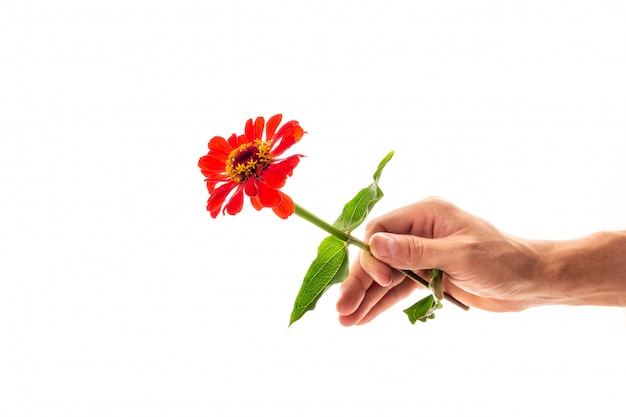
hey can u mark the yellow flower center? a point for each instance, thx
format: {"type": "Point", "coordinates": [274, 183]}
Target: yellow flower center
{"type": "Point", "coordinates": [247, 160]}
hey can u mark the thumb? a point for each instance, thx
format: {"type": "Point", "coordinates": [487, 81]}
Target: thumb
{"type": "Point", "coordinates": [407, 251]}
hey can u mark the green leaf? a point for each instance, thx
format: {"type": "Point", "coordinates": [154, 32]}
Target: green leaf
{"type": "Point", "coordinates": [423, 310]}
{"type": "Point", "coordinates": [330, 267]}
{"type": "Point", "coordinates": [436, 283]}
{"type": "Point", "coordinates": [357, 209]}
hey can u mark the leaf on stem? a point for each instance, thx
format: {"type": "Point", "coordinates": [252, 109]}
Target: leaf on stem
{"type": "Point", "coordinates": [423, 310]}
{"type": "Point", "coordinates": [357, 209]}
{"type": "Point", "coordinates": [330, 267]}
{"type": "Point", "coordinates": [436, 283]}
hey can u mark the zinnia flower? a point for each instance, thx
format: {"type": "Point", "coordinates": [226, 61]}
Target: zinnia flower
{"type": "Point", "coordinates": [251, 165]}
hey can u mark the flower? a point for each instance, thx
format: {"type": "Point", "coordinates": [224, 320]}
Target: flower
{"type": "Point", "coordinates": [248, 164]}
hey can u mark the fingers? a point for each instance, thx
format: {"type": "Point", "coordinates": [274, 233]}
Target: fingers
{"type": "Point", "coordinates": [373, 285]}
{"type": "Point", "coordinates": [408, 252]}
{"type": "Point", "coordinates": [378, 300]}
{"type": "Point", "coordinates": [362, 298]}
{"type": "Point", "coordinates": [353, 290]}
{"type": "Point", "coordinates": [380, 272]}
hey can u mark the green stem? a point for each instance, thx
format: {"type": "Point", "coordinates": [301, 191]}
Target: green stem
{"type": "Point", "coordinates": [340, 234]}
{"type": "Point", "coordinates": [349, 239]}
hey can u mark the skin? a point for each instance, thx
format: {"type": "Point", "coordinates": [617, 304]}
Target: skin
{"type": "Point", "coordinates": [484, 267]}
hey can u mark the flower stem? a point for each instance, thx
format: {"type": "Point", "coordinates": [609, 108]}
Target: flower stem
{"type": "Point", "coordinates": [338, 233]}
{"type": "Point", "coordinates": [349, 239]}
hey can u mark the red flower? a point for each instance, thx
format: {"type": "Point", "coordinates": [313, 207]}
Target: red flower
{"type": "Point", "coordinates": [247, 163]}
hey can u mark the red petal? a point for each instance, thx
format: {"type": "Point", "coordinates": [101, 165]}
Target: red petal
{"type": "Point", "coordinates": [276, 174]}
{"type": "Point", "coordinates": [256, 203]}
{"type": "Point", "coordinates": [216, 200]}
{"type": "Point", "coordinates": [249, 131]}
{"type": "Point", "coordinates": [287, 137]}
{"type": "Point", "coordinates": [272, 124]}
{"type": "Point", "coordinates": [219, 146]}
{"type": "Point", "coordinates": [298, 132]}
{"type": "Point", "coordinates": [268, 196]}
{"type": "Point", "coordinates": [274, 178]}
{"type": "Point", "coordinates": [233, 141]}
{"type": "Point", "coordinates": [242, 139]}
{"type": "Point", "coordinates": [212, 182]}
{"type": "Point", "coordinates": [285, 208]}
{"type": "Point", "coordinates": [259, 124]}
{"type": "Point", "coordinates": [283, 129]}
{"type": "Point", "coordinates": [251, 188]}
{"type": "Point", "coordinates": [211, 164]}
{"type": "Point", "coordinates": [235, 204]}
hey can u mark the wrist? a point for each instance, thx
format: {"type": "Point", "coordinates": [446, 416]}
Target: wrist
{"type": "Point", "coordinates": [585, 271]}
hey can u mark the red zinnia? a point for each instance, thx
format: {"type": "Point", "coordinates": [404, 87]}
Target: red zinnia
{"type": "Point", "coordinates": [247, 163]}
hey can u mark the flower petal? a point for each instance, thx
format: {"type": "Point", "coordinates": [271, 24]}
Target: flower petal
{"type": "Point", "coordinates": [268, 196]}
{"type": "Point", "coordinates": [235, 204]}
{"type": "Point", "coordinates": [233, 141]}
{"type": "Point", "coordinates": [256, 202]}
{"type": "Point", "coordinates": [272, 124]}
{"type": "Point", "coordinates": [242, 139]}
{"type": "Point", "coordinates": [216, 200]}
{"type": "Point", "coordinates": [220, 146]}
{"type": "Point", "coordinates": [210, 164]}
{"type": "Point", "coordinates": [285, 208]}
{"type": "Point", "coordinates": [259, 124]}
{"type": "Point", "coordinates": [250, 130]}
{"type": "Point", "coordinates": [212, 182]}
{"type": "Point", "coordinates": [250, 188]}
{"type": "Point", "coordinates": [276, 174]}
{"type": "Point", "coordinates": [287, 135]}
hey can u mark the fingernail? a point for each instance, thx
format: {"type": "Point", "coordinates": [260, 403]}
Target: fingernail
{"type": "Point", "coordinates": [384, 245]}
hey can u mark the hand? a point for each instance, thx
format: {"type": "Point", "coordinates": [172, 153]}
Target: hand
{"type": "Point", "coordinates": [483, 267]}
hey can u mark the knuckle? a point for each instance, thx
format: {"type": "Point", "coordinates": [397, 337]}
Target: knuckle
{"type": "Point", "coordinates": [371, 228]}
{"type": "Point", "coordinates": [413, 252]}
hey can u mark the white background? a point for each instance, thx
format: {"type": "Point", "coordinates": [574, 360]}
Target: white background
{"type": "Point", "coordinates": [120, 296]}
